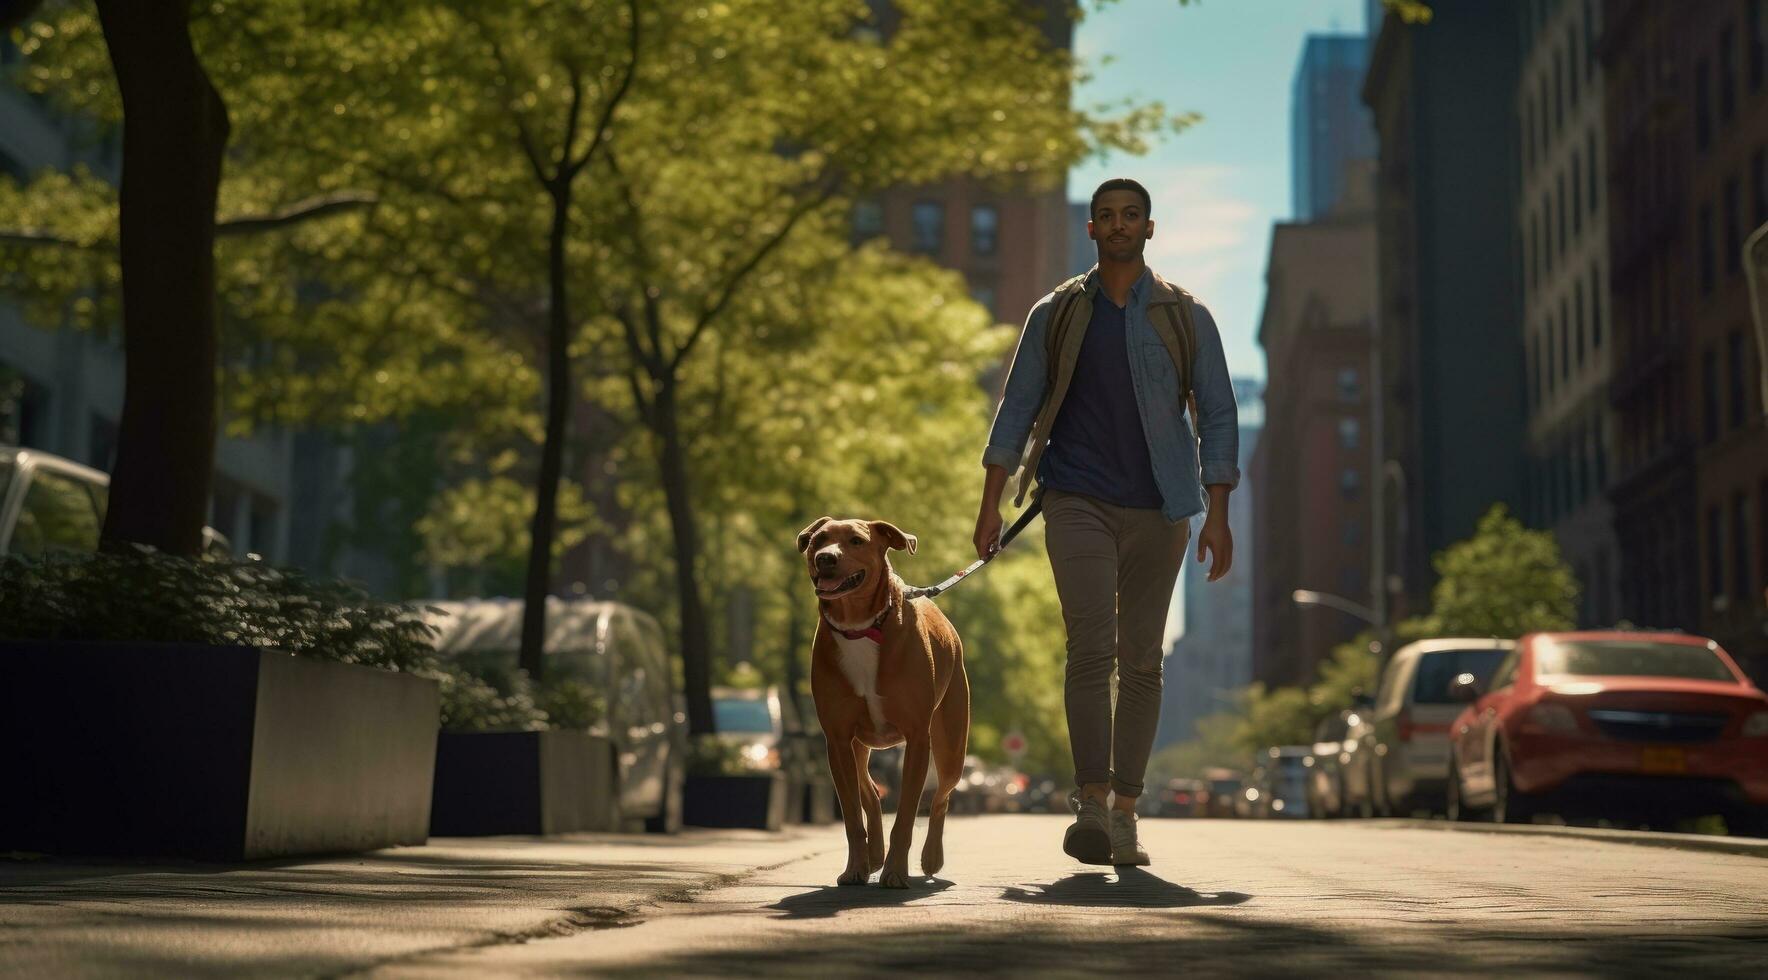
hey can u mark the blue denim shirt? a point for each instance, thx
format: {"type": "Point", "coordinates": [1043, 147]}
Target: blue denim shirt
{"type": "Point", "coordinates": [1182, 467]}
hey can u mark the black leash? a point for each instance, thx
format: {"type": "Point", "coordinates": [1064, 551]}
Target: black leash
{"type": "Point", "coordinates": [930, 591]}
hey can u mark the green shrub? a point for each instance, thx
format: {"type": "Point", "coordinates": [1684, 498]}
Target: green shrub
{"type": "Point", "coordinates": [145, 596]}
{"type": "Point", "coordinates": [712, 756]}
{"type": "Point", "coordinates": [571, 705]}
{"type": "Point", "coordinates": [471, 704]}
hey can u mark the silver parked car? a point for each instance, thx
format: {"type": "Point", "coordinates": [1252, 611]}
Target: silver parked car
{"type": "Point", "coordinates": [614, 650]}
{"type": "Point", "coordinates": [1403, 741]}
{"type": "Point", "coordinates": [49, 504]}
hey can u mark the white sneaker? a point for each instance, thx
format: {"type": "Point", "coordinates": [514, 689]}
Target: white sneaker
{"type": "Point", "coordinates": [1088, 839]}
{"type": "Point", "coordinates": [1125, 849]}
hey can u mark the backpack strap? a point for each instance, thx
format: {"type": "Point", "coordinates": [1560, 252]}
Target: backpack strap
{"type": "Point", "coordinates": [1067, 296]}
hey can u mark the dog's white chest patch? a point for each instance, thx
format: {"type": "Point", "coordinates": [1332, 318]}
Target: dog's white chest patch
{"type": "Point", "coordinates": [859, 662]}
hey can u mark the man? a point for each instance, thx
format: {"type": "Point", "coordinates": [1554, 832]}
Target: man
{"type": "Point", "coordinates": [1120, 474]}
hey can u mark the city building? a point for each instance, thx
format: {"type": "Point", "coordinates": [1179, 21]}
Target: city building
{"type": "Point", "coordinates": [1562, 229]}
{"type": "Point", "coordinates": [1328, 124]}
{"type": "Point", "coordinates": [1727, 198]}
{"type": "Point", "coordinates": [1313, 459]}
{"type": "Point", "coordinates": [1449, 316]}
{"type": "Point", "coordinates": [1212, 653]}
{"type": "Point", "coordinates": [1651, 283]}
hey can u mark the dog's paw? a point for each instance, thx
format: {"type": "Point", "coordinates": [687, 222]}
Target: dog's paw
{"type": "Point", "coordinates": [932, 859]}
{"type": "Point", "coordinates": [892, 878]}
{"type": "Point", "coordinates": [855, 874]}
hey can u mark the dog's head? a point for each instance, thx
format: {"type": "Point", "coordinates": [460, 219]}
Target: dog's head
{"type": "Point", "coordinates": [845, 556]}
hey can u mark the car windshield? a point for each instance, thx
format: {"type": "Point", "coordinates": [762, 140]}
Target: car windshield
{"type": "Point", "coordinates": [1631, 658]}
{"type": "Point", "coordinates": [1438, 668]}
{"type": "Point", "coordinates": [741, 715]}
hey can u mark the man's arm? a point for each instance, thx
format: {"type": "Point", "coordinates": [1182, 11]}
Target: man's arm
{"type": "Point", "coordinates": [1218, 431]}
{"type": "Point", "coordinates": [1020, 399]}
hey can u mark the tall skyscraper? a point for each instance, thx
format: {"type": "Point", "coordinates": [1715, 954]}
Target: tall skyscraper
{"type": "Point", "coordinates": [1328, 123]}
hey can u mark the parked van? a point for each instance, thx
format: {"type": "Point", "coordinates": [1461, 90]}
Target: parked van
{"type": "Point", "coordinates": [49, 504]}
{"type": "Point", "coordinates": [615, 650]}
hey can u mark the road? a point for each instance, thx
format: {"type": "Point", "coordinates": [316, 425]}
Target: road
{"type": "Point", "coordinates": [1243, 898]}
{"type": "Point", "coordinates": [1254, 898]}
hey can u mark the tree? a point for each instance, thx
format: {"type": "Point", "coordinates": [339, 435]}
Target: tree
{"type": "Point", "coordinates": [1504, 581]}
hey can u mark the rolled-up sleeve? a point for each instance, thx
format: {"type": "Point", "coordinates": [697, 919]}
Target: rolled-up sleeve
{"type": "Point", "coordinates": [1023, 394]}
{"type": "Point", "coordinates": [1218, 418]}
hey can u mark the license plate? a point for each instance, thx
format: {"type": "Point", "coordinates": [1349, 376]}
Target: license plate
{"type": "Point", "coordinates": [1663, 760]}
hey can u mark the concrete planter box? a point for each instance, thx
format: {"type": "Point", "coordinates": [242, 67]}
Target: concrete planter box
{"type": "Point", "coordinates": [216, 753]}
{"type": "Point", "coordinates": [547, 782]}
{"type": "Point", "coordinates": [820, 806]}
{"type": "Point", "coordinates": [757, 801]}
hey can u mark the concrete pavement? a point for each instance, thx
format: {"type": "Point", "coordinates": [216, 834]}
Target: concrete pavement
{"type": "Point", "coordinates": [1254, 898]}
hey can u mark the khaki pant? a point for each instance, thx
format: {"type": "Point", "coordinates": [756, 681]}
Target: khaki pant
{"type": "Point", "coordinates": [1115, 568]}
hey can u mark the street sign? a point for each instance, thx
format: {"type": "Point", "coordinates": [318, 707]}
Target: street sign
{"type": "Point", "coordinates": [1013, 743]}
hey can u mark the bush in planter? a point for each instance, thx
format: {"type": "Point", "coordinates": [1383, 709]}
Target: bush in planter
{"type": "Point", "coordinates": [145, 596]}
{"type": "Point", "coordinates": [471, 704]}
{"type": "Point", "coordinates": [711, 756]}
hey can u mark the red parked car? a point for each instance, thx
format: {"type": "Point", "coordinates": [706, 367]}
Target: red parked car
{"type": "Point", "coordinates": [1649, 727]}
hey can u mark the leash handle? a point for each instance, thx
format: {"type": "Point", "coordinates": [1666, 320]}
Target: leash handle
{"type": "Point", "coordinates": [1025, 518]}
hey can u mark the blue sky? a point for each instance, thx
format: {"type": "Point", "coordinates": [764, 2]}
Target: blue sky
{"type": "Point", "coordinates": [1219, 185]}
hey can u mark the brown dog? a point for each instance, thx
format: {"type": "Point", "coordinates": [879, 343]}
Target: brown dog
{"type": "Point", "coordinates": [884, 671]}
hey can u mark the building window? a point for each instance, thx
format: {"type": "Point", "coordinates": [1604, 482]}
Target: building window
{"type": "Point", "coordinates": [1703, 228]}
{"type": "Point", "coordinates": [929, 222]}
{"type": "Point", "coordinates": [1733, 204]}
{"type": "Point", "coordinates": [1552, 341]}
{"type": "Point", "coordinates": [1528, 132]}
{"type": "Point", "coordinates": [1758, 187]}
{"type": "Point", "coordinates": [1571, 68]}
{"type": "Point", "coordinates": [1715, 553]}
{"type": "Point", "coordinates": [1703, 104]}
{"type": "Point", "coordinates": [1595, 306]}
{"type": "Point", "coordinates": [1578, 314]}
{"type": "Point", "coordinates": [1592, 176]}
{"type": "Point", "coordinates": [1735, 351]}
{"type": "Point", "coordinates": [985, 224]}
{"type": "Point", "coordinates": [1565, 338]}
{"type": "Point", "coordinates": [1727, 74]}
{"type": "Point", "coordinates": [1577, 211]}
{"type": "Point", "coordinates": [1709, 376]}
{"type": "Point", "coordinates": [1561, 208]}
{"type": "Point", "coordinates": [1546, 115]}
{"type": "Point", "coordinates": [1349, 433]}
{"type": "Point", "coordinates": [985, 297]}
{"type": "Point", "coordinates": [1559, 89]}
{"type": "Point", "coordinates": [1351, 532]}
{"type": "Point", "coordinates": [1350, 384]}
{"type": "Point", "coordinates": [1349, 483]}
{"type": "Point", "coordinates": [1740, 547]}
{"type": "Point", "coordinates": [868, 220]}
{"type": "Point", "coordinates": [1589, 37]}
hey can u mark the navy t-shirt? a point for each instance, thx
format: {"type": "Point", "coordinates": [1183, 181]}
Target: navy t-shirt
{"type": "Point", "coordinates": [1097, 446]}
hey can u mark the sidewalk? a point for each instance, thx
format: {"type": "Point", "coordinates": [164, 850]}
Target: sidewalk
{"type": "Point", "coordinates": [330, 916]}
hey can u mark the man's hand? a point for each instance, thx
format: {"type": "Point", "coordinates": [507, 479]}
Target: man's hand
{"type": "Point", "coordinates": [1215, 538]}
{"type": "Point", "coordinates": [988, 532]}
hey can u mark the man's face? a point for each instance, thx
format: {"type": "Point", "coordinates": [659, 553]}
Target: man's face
{"type": "Point", "coordinates": [1120, 226]}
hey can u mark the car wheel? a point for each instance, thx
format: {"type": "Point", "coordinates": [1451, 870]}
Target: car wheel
{"type": "Point", "coordinates": [1455, 807]}
{"type": "Point", "coordinates": [669, 820]}
{"type": "Point", "coordinates": [1748, 823]}
{"type": "Point", "coordinates": [1509, 804]}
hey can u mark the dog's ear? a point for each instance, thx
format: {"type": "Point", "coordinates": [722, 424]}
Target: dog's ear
{"type": "Point", "coordinates": [896, 538]}
{"type": "Point", "coordinates": [804, 535]}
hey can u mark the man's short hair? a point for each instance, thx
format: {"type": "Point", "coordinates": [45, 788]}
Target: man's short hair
{"type": "Point", "coordinates": [1122, 184]}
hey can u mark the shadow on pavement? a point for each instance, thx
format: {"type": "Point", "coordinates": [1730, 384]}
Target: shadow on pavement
{"type": "Point", "coordinates": [832, 900]}
{"type": "Point", "coordinates": [1127, 888]}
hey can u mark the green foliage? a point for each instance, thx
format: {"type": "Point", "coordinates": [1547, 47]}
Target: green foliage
{"type": "Point", "coordinates": [471, 704]}
{"type": "Point", "coordinates": [1504, 581]}
{"type": "Point", "coordinates": [712, 756]}
{"type": "Point", "coordinates": [571, 705]}
{"type": "Point", "coordinates": [143, 596]}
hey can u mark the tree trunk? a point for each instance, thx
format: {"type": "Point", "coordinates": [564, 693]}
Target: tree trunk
{"type": "Point", "coordinates": [552, 451]}
{"type": "Point", "coordinates": [174, 134]}
{"type": "Point", "coordinates": [696, 633]}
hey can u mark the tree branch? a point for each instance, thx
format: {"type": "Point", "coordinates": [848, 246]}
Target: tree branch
{"type": "Point", "coordinates": [601, 129]}
{"type": "Point", "coordinates": [742, 272]}
{"type": "Point", "coordinates": [523, 135]}
{"type": "Point", "coordinates": [314, 207]}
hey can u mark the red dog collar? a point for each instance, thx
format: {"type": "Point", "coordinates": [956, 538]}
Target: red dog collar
{"type": "Point", "coordinates": [873, 632]}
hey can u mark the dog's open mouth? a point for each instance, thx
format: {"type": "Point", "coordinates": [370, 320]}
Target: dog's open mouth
{"type": "Point", "coordinates": [842, 587]}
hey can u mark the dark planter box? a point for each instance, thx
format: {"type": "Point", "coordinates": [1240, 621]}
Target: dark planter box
{"type": "Point", "coordinates": [216, 753]}
{"type": "Point", "coordinates": [757, 801]}
{"type": "Point", "coordinates": [523, 783]}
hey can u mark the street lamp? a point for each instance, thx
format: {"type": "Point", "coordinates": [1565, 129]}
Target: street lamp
{"type": "Point", "coordinates": [1308, 597]}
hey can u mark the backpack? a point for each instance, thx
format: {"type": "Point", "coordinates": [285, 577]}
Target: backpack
{"type": "Point", "coordinates": [1181, 345]}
